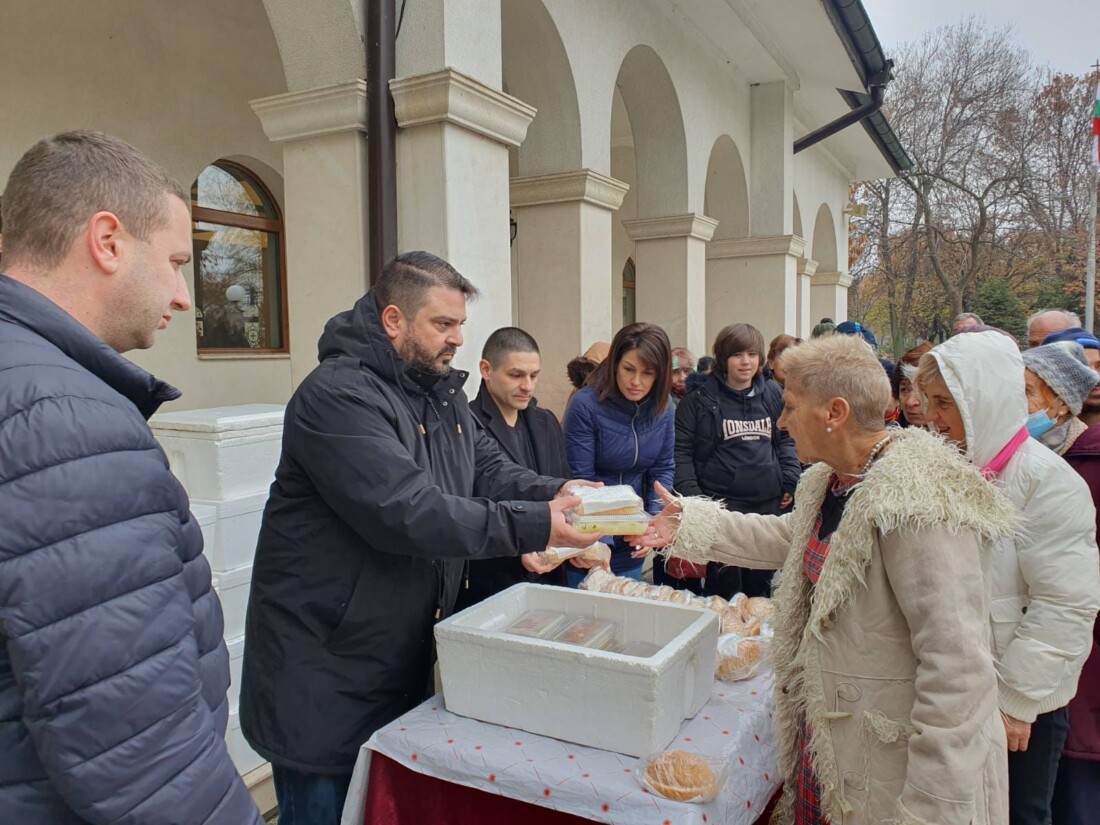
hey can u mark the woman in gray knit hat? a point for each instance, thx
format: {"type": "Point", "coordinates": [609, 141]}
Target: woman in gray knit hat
{"type": "Point", "coordinates": [1057, 380]}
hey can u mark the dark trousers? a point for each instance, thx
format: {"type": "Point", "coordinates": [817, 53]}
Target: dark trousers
{"type": "Point", "coordinates": [1032, 773]}
{"type": "Point", "coordinates": [309, 799]}
{"type": "Point", "coordinates": [725, 581]}
{"type": "Point", "coordinates": [1077, 792]}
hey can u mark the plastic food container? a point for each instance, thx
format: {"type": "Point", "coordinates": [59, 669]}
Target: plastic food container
{"type": "Point", "coordinates": [618, 499]}
{"type": "Point", "coordinates": [632, 525]}
{"type": "Point", "coordinates": [538, 624]}
{"type": "Point", "coordinates": [587, 632]}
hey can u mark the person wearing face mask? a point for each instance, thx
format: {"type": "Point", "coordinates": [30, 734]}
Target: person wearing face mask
{"type": "Point", "coordinates": [1057, 381]}
{"type": "Point", "coordinates": [1057, 385]}
{"type": "Point", "coordinates": [619, 428]}
{"type": "Point", "coordinates": [1045, 578]}
{"type": "Point", "coordinates": [1090, 410]}
{"type": "Point", "coordinates": [729, 448]}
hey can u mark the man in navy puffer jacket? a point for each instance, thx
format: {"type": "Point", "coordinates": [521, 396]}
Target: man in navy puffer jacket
{"type": "Point", "coordinates": [113, 673]}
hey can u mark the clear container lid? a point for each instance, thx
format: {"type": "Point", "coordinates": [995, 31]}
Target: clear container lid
{"type": "Point", "coordinates": [632, 525]}
{"type": "Point", "coordinates": [538, 624]}
{"type": "Point", "coordinates": [587, 632]}
{"type": "Point", "coordinates": [605, 499]}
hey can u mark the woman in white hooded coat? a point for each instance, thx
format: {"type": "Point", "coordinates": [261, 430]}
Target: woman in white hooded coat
{"type": "Point", "coordinates": [1046, 578]}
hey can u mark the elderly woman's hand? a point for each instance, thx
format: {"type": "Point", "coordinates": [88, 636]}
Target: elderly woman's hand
{"type": "Point", "coordinates": [662, 530]}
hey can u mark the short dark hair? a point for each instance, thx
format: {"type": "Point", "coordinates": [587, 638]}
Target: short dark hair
{"type": "Point", "coordinates": [405, 282]}
{"type": "Point", "coordinates": [910, 359]}
{"type": "Point", "coordinates": [63, 180]}
{"type": "Point", "coordinates": [652, 344]}
{"type": "Point", "coordinates": [507, 340]}
{"type": "Point", "coordinates": [705, 365]}
{"type": "Point", "coordinates": [738, 338]}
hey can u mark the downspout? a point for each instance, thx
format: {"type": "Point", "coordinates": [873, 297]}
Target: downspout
{"type": "Point", "coordinates": [381, 136]}
{"type": "Point", "coordinates": [878, 94]}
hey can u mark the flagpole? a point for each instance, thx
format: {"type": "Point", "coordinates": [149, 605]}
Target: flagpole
{"type": "Point", "coordinates": [1090, 267]}
{"type": "Point", "coordinates": [1094, 179]}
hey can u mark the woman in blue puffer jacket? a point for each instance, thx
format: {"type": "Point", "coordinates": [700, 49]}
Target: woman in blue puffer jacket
{"type": "Point", "coordinates": [620, 428]}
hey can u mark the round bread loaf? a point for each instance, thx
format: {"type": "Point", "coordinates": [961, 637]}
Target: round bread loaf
{"type": "Point", "coordinates": [758, 607]}
{"type": "Point", "coordinates": [681, 776]}
{"type": "Point", "coordinates": [734, 621]}
{"type": "Point", "coordinates": [717, 603]}
{"type": "Point", "coordinates": [742, 663]}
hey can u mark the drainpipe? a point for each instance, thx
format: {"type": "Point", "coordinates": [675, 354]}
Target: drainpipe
{"type": "Point", "coordinates": [381, 136]}
{"type": "Point", "coordinates": [878, 94]}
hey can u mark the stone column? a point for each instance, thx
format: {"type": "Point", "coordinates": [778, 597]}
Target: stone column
{"type": "Point", "coordinates": [754, 281]}
{"type": "Point", "coordinates": [323, 133]}
{"type": "Point", "coordinates": [452, 186]}
{"type": "Point", "coordinates": [829, 296]}
{"type": "Point", "coordinates": [804, 322]}
{"type": "Point", "coordinates": [670, 262]}
{"type": "Point", "coordinates": [563, 266]}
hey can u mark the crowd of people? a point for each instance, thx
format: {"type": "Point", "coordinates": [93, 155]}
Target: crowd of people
{"type": "Point", "coordinates": [936, 652]}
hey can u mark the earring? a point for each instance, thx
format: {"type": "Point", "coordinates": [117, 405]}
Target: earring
{"type": "Point", "coordinates": [828, 429]}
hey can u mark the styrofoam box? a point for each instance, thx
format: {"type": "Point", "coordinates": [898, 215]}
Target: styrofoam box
{"type": "Point", "coordinates": [205, 515]}
{"type": "Point", "coordinates": [232, 541]}
{"type": "Point", "coordinates": [240, 751]}
{"type": "Point", "coordinates": [236, 660]}
{"type": "Point", "coordinates": [232, 587]}
{"type": "Point", "coordinates": [606, 700]}
{"type": "Point", "coordinates": [222, 452]}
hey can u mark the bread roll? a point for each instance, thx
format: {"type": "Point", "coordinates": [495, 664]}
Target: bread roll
{"type": "Point", "coordinates": [681, 776]}
{"type": "Point", "coordinates": [733, 621]}
{"type": "Point", "coordinates": [758, 607]}
{"type": "Point", "coordinates": [742, 662]}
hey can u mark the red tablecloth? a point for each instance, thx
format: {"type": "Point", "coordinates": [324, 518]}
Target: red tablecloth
{"type": "Point", "coordinates": [398, 796]}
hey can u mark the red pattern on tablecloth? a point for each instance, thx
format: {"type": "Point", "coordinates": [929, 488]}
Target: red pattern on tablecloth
{"type": "Point", "coordinates": [590, 783]}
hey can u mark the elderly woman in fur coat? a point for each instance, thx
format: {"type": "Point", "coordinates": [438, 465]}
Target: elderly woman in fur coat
{"type": "Point", "coordinates": [886, 694]}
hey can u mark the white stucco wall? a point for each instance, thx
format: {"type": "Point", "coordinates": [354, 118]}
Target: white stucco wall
{"type": "Point", "coordinates": [175, 80]}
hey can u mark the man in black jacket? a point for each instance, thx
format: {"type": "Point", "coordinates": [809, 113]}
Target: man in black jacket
{"type": "Point", "coordinates": [385, 487]}
{"type": "Point", "coordinates": [506, 407]}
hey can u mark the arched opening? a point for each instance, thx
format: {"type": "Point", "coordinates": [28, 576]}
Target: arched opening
{"type": "Point", "coordinates": [240, 263]}
{"type": "Point", "coordinates": [823, 248]}
{"type": "Point", "coordinates": [536, 70]}
{"type": "Point", "coordinates": [726, 196]}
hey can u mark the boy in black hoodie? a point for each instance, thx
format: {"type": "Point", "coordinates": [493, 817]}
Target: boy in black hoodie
{"type": "Point", "coordinates": [728, 446]}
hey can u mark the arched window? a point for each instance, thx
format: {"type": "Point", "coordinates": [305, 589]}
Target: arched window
{"type": "Point", "coordinates": [630, 313]}
{"type": "Point", "coordinates": [240, 278]}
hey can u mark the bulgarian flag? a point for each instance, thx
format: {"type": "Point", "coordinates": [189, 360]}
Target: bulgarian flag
{"type": "Point", "coordinates": [1096, 129]}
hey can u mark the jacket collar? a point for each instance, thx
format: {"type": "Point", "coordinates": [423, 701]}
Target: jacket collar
{"type": "Point", "coordinates": [489, 414]}
{"type": "Point", "coordinates": [26, 307]}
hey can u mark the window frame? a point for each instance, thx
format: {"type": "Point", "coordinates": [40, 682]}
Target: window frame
{"type": "Point", "coordinates": [235, 220]}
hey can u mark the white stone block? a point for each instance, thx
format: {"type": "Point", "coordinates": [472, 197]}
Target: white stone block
{"type": "Point", "coordinates": [231, 539]}
{"type": "Point", "coordinates": [240, 751]}
{"type": "Point", "coordinates": [232, 587]}
{"type": "Point", "coordinates": [222, 452]}
{"type": "Point", "coordinates": [625, 704]}
{"type": "Point", "coordinates": [236, 660]}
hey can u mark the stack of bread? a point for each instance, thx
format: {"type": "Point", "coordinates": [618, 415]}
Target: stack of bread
{"type": "Point", "coordinates": [746, 621]}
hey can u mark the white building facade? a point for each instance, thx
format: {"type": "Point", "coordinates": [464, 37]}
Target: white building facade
{"type": "Point", "coordinates": [583, 163]}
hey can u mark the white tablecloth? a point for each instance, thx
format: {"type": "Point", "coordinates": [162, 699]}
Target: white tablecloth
{"type": "Point", "coordinates": [590, 783]}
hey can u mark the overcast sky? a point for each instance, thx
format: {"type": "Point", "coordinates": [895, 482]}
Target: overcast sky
{"type": "Point", "coordinates": [1063, 33]}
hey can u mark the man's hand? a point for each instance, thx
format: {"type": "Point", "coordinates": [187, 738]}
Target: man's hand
{"type": "Point", "coordinates": [1019, 733]}
{"type": "Point", "coordinates": [662, 530]}
{"type": "Point", "coordinates": [562, 533]}
{"type": "Point", "coordinates": [534, 563]}
{"type": "Point", "coordinates": [786, 501]}
{"type": "Point", "coordinates": [569, 486]}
